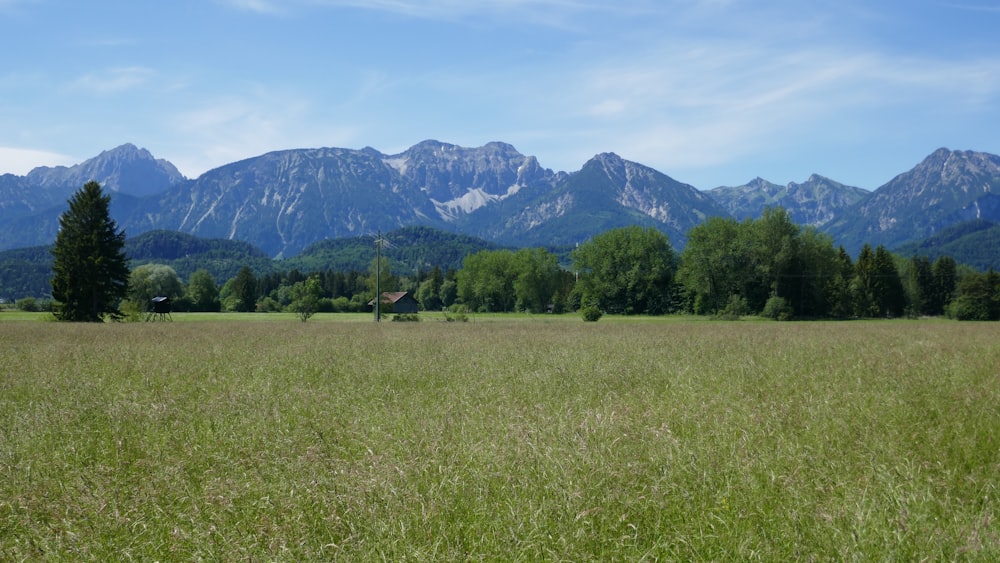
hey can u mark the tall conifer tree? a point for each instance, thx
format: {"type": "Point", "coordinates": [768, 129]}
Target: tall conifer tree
{"type": "Point", "coordinates": [889, 294]}
{"type": "Point", "coordinates": [91, 271]}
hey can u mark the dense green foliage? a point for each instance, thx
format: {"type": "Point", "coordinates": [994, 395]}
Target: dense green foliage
{"type": "Point", "coordinates": [240, 293]}
{"type": "Point", "coordinates": [756, 260]}
{"type": "Point", "coordinates": [876, 288]}
{"type": "Point", "coordinates": [90, 269]}
{"type": "Point", "coordinates": [504, 280]}
{"type": "Point", "coordinates": [275, 440]}
{"type": "Point", "coordinates": [978, 297]}
{"type": "Point", "coordinates": [187, 254]}
{"type": "Point", "coordinates": [629, 270]}
{"type": "Point", "coordinates": [203, 292]}
{"type": "Point", "coordinates": [767, 266]}
{"type": "Point", "coordinates": [153, 280]}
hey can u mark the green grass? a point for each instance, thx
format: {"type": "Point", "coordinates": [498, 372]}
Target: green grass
{"type": "Point", "coordinates": [534, 439]}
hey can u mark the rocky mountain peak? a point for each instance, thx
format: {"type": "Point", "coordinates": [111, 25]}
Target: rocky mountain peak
{"type": "Point", "coordinates": [813, 202]}
{"type": "Point", "coordinates": [616, 168]}
{"type": "Point", "coordinates": [966, 171]}
{"type": "Point", "coordinates": [608, 160]}
{"type": "Point", "coordinates": [460, 179]}
{"type": "Point", "coordinates": [920, 202]}
{"type": "Point", "coordinates": [125, 169]}
{"type": "Point", "coordinates": [763, 185]}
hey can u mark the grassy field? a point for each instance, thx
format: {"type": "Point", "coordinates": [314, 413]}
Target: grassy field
{"type": "Point", "coordinates": [517, 440]}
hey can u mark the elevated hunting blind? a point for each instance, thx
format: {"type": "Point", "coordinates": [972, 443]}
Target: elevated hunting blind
{"type": "Point", "coordinates": [161, 310]}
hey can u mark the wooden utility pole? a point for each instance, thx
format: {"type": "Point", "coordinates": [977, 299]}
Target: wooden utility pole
{"type": "Point", "coordinates": [379, 241]}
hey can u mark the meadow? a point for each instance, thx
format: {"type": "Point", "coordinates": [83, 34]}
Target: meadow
{"type": "Point", "coordinates": [265, 438]}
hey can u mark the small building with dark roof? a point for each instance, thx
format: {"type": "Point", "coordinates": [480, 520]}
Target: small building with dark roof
{"type": "Point", "coordinates": [399, 302]}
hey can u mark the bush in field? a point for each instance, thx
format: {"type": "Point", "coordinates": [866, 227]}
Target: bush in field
{"type": "Point", "coordinates": [27, 304]}
{"type": "Point", "coordinates": [736, 308]}
{"type": "Point", "coordinates": [341, 304]}
{"type": "Point", "coordinates": [132, 312]}
{"type": "Point", "coordinates": [591, 313]}
{"type": "Point", "coordinates": [457, 313]}
{"type": "Point", "coordinates": [777, 308]}
{"type": "Point", "coordinates": [406, 317]}
{"type": "Point", "coordinates": [268, 305]}
{"type": "Point", "coordinates": [978, 299]}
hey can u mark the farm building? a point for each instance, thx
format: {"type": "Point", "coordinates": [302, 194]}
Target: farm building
{"type": "Point", "coordinates": [400, 302]}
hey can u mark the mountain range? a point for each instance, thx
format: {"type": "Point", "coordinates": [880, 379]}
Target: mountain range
{"type": "Point", "coordinates": [284, 201]}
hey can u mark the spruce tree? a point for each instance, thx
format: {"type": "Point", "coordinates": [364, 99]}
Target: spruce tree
{"type": "Point", "coordinates": [945, 272]}
{"type": "Point", "coordinates": [863, 284]}
{"type": "Point", "coordinates": [889, 294]}
{"type": "Point", "coordinates": [245, 290]}
{"type": "Point", "coordinates": [91, 270]}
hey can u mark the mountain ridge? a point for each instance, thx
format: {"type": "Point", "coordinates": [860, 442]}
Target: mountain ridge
{"type": "Point", "coordinates": [813, 202]}
{"type": "Point", "coordinates": [946, 187]}
{"type": "Point", "coordinates": [282, 201]}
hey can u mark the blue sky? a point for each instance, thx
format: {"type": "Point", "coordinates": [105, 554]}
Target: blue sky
{"type": "Point", "coordinates": [710, 92]}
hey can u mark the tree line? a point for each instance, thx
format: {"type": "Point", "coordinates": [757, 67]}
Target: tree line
{"type": "Point", "coordinates": [767, 266]}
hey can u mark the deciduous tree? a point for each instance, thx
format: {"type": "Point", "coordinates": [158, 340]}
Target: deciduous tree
{"type": "Point", "coordinates": [244, 290]}
{"type": "Point", "coordinates": [153, 280]}
{"type": "Point", "coordinates": [537, 279]}
{"type": "Point", "coordinates": [629, 270]}
{"type": "Point", "coordinates": [978, 297]}
{"type": "Point", "coordinates": [713, 266]}
{"type": "Point", "coordinates": [305, 297]}
{"type": "Point", "coordinates": [202, 292]}
{"type": "Point", "coordinates": [486, 281]}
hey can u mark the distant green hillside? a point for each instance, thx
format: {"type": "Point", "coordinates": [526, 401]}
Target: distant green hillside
{"type": "Point", "coordinates": [975, 243]}
{"type": "Point", "coordinates": [409, 249]}
{"type": "Point", "coordinates": [26, 272]}
{"type": "Point", "coordinates": [186, 254]}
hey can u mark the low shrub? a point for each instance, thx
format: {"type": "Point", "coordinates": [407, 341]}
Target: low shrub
{"type": "Point", "coordinates": [591, 314]}
{"type": "Point", "coordinates": [778, 308]}
{"type": "Point", "coordinates": [736, 308]}
{"type": "Point", "coordinates": [456, 313]}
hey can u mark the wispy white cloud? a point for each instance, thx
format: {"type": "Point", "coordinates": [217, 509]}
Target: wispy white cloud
{"type": "Point", "coordinates": [556, 13]}
{"type": "Point", "coordinates": [107, 42]}
{"type": "Point", "coordinates": [232, 128]}
{"type": "Point", "coordinates": [4, 4]}
{"type": "Point", "coordinates": [114, 80]}
{"type": "Point", "coordinates": [259, 6]}
{"type": "Point", "coordinates": [974, 7]}
{"type": "Point", "coordinates": [21, 161]}
{"type": "Point", "coordinates": [689, 105]}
